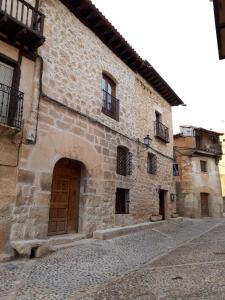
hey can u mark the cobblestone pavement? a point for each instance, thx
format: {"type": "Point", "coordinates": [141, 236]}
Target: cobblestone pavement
{"type": "Point", "coordinates": [178, 260]}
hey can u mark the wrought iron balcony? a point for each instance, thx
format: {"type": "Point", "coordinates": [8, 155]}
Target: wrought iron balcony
{"type": "Point", "coordinates": [161, 131]}
{"type": "Point", "coordinates": [215, 149]}
{"type": "Point", "coordinates": [110, 105]}
{"type": "Point", "coordinates": [11, 106]}
{"type": "Point", "coordinates": [21, 23]}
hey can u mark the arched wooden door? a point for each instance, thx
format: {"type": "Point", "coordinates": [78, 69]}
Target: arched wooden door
{"type": "Point", "coordinates": [64, 205]}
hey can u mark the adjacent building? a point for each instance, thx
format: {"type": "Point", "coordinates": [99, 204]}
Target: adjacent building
{"type": "Point", "coordinates": [197, 152]}
{"type": "Point", "coordinates": [222, 167]}
{"type": "Point", "coordinates": [78, 109]}
{"type": "Point", "coordinates": [219, 12]}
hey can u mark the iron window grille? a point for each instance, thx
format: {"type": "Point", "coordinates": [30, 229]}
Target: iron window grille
{"type": "Point", "coordinates": [124, 161]}
{"type": "Point", "coordinates": [11, 106]}
{"type": "Point", "coordinates": [152, 164]}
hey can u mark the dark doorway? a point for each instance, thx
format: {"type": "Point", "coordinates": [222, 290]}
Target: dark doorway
{"type": "Point", "coordinates": [122, 201]}
{"type": "Point", "coordinates": [204, 205]}
{"type": "Point", "coordinates": [162, 203]}
{"type": "Point", "coordinates": [64, 205]}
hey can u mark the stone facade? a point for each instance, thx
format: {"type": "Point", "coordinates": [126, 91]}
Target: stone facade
{"type": "Point", "coordinates": [222, 166]}
{"type": "Point", "coordinates": [64, 104]}
{"type": "Point", "coordinates": [192, 181]}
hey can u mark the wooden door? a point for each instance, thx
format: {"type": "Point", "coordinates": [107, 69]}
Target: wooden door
{"type": "Point", "coordinates": [204, 205]}
{"type": "Point", "coordinates": [64, 205]}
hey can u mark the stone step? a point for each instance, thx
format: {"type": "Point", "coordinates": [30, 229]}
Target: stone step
{"type": "Point", "coordinates": [119, 231]}
{"type": "Point", "coordinates": [68, 245]}
{"type": "Point", "coordinates": [65, 239]}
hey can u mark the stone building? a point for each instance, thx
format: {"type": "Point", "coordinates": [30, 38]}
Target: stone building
{"type": "Point", "coordinates": [197, 152]}
{"type": "Point", "coordinates": [76, 102]}
{"type": "Point", "coordinates": [222, 168]}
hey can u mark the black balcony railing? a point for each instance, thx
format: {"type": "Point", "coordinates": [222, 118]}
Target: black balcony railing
{"type": "Point", "coordinates": [22, 23]}
{"type": "Point", "coordinates": [215, 149]}
{"type": "Point", "coordinates": [11, 106]}
{"type": "Point", "coordinates": [110, 105]}
{"type": "Point", "coordinates": [161, 131]}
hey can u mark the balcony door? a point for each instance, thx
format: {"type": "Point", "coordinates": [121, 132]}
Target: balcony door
{"type": "Point", "coordinates": [6, 81]}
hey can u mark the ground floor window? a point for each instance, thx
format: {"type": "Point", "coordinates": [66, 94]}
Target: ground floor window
{"type": "Point", "coordinates": [122, 201]}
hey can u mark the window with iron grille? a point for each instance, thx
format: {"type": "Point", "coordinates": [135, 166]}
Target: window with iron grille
{"type": "Point", "coordinates": [122, 201]}
{"type": "Point", "coordinates": [124, 161]}
{"type": "Point", "coordinates": [203, 165]}
{"type": "Point", "coordinates": [152, 163]}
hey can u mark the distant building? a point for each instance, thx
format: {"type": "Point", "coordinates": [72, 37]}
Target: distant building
{"type": "Point", "coordinates": [219, 12]}
{"type": "Point", "coordinates": [197, 152]}
{"type": "Point", "coordinates": [222, 166]}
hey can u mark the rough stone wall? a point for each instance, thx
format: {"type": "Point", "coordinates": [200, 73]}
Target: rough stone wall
{"type": "Point", "coordinates": [74, 60]}
{"type": "Point", "coordinates": [73, 136]}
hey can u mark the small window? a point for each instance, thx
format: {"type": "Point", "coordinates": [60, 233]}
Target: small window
{"type": "Point", "coordinates": [203, 165]}
{"type": "Point", "coordinates": [110, 105]}
{"type": "Point", "coordinates": [122, 201]}
{"type": "Point", "coordinates": [152, 163]}
{"type": "Point", "coordinates": [158, 117]}
{"type": "Point", "coordinates": [124, 161]}
{"type": "Point", "coordinates": [175, 169]}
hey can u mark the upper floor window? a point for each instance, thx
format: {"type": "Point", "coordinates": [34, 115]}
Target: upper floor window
{"type": "Point", "coordinates": [110, 105]}
{"type": "Point", "coordinates": [161, 131]}
{"type": "Point", "coordinates": [124, 161]}
{"type": "Point", "coordinates": [152, 163]}
{"type": "Point", "coordinates": [175, 169]}
{"type": "Point", "coordinates": [11, 100]}
{"type": "Point", "coordinates": [203, 165]}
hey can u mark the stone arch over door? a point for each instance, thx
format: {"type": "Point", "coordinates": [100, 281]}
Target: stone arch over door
{"type": "Point", "coordinates": [50, 148]}
{"type": "Point", "coordinates": [65, 197]}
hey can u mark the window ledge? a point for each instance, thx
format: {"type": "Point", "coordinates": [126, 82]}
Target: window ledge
{"type": "Point", "coordinates": [8, 131]}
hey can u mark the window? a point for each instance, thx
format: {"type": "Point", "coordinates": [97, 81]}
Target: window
{"type": "Point", "coordinates": [122, 201]}
{"type": "Point", "coordinates": [110, 105]}
{"type": "Point", "coordinates": [152, 163]}
{"type": "Point", "coordinates": [175, 169]}
{"type": "Point", "coordinates": [203, 165]}
{"type": "Point", "coordinates": [11, 100]}
{"type": "Point", "coordinates": [158, 116]}
{"type": "Point", "coordinates": [6, 80]}
{"type": "Point", "coordinates": [124, 161]}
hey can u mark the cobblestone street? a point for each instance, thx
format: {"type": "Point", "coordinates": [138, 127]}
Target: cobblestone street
{"type": "Point", "coordinates": [177, 260]}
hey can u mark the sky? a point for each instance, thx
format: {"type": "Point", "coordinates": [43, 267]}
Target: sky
{"type": "Point", "coordinates": [178, 38]}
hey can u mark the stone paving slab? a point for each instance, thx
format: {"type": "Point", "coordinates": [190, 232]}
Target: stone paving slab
{"type": "Point", "coordinates": [93, 267]}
